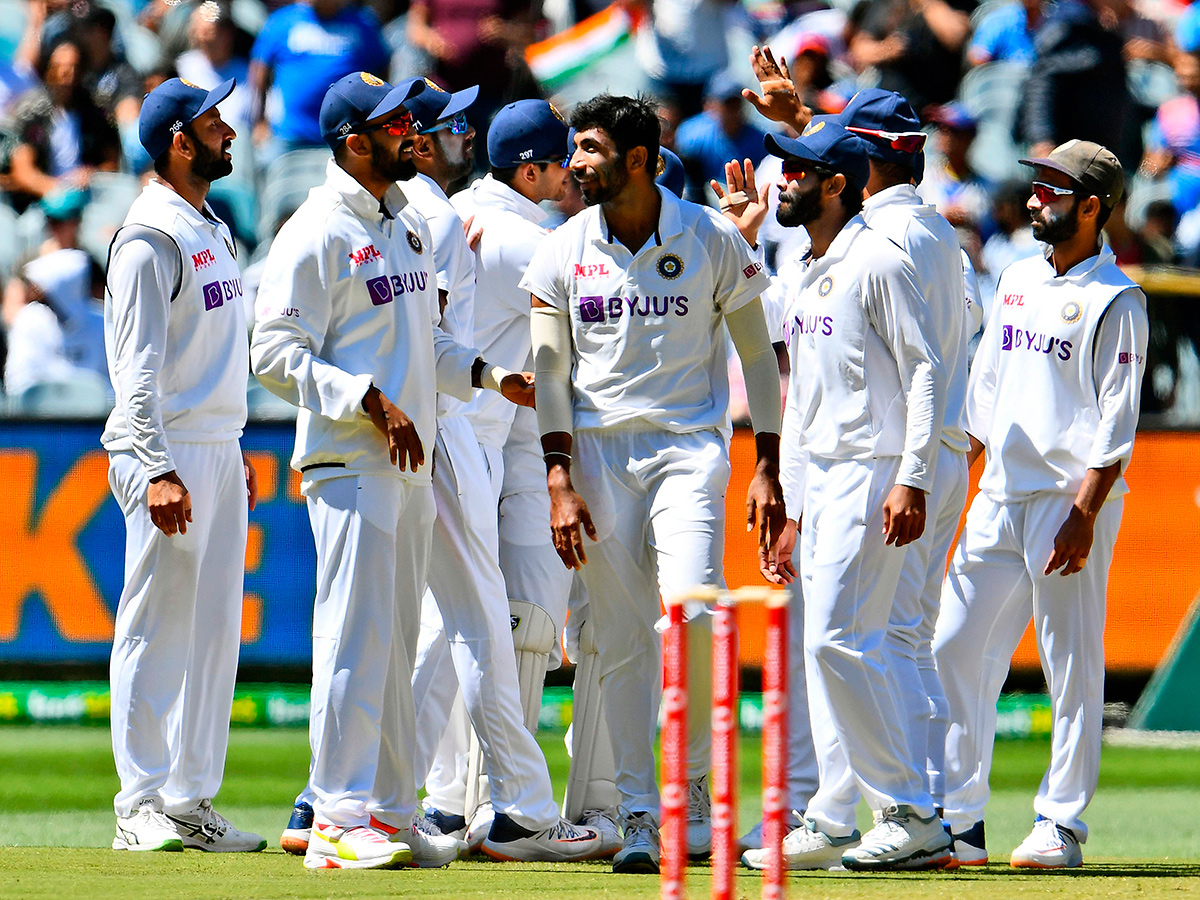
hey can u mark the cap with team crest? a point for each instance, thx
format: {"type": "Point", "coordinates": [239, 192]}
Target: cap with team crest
{"type": "Point", "coordinates": [670, 173]}
{"type": "Point", "coordinates": [826, 143]}
{"type": "Point", "coordinates": [1091, 166]}
{"type": "Point", "coordinates": [435, 104]}
{"type": "Point", "coordinates": [360, 97]}
{"type": "Point", "coordinates": [526, 131]}
{"type": "Point", "coordinates": [170, 106]}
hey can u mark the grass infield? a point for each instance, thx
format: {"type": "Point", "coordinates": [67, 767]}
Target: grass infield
{"type": "Point", "coordinates": [56, 787]}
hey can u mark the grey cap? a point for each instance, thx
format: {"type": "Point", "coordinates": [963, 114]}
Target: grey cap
{"type": "Point", "coordinates": [1093, 167]}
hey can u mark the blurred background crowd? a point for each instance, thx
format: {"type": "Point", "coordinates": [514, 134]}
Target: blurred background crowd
{"type": "Point", "coordinates": [991, 80]}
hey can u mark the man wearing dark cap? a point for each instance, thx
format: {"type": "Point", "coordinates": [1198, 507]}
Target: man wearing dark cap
{"type": "Point", "coordinates": [346, 329]}
{"type": "Point", "coordinates": [1053, 400]}
{"type": "Point", "coordinates": [857, 329]}
{"type": "Point", "coordinates": [631, 299]}
{"type": "Point", "coordinates": [175, 336]}
{"type": "Point", "coordinates": [894, 141]}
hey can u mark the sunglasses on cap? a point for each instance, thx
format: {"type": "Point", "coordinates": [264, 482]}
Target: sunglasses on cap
{"type": "Point", "coordinates": [1048, 193]}
{"type": "Point", "coordinates": [798, 170]}
{"type": "Point", "coordinates": [398, 126]}
{"type": "Point", "coordinates": [456, 124]}
{"type": "Point", "coordinates": [904, 141]}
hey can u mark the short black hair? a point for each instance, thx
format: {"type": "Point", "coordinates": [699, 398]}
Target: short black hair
{"type": "Point", "coordinates": [1103, 215]}
{"type": "Point", "coordinates": [893, 172]}
{"type": "Point", "coordinates": [851, 197]}
{"type": "Point", "coordinates": [508, 174]}
{"type": "Point", "coordinates": [160, 164]}
{"type": "Point", "coordinates": [629, 121]}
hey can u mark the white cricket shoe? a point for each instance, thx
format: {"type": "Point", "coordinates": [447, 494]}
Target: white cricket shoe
{"type": "Point", "coordinates": [146, 828]}
{"type": "Point", "coordinates": [805, 848]}
{"type": "Point", "coordinates": [430, 848]}
{"type": "Point", "coordinates": [1048, 846]}
{"type": "Point", "coordinates": [901, 840]}
{"type": "Point", "coordinates": [604, 823]}
{"type": "Point", "coordinates": [561, 842]}
{"type": "Point", "coordinates": [203, 828]}
{"type": "Point", "coordinates": [480, 826]}
{"type": "Point", "coordinates": [360, 847]}
{"type": "Point", "coordinates": [639, 853]}
{"type": "Point", "coordinates": [753, 839]}
{"type": "Point", "coordinates": [699, 819]}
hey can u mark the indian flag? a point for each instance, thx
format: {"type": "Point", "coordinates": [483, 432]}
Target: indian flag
{"type": "Point", "coordinates": [561, 56]}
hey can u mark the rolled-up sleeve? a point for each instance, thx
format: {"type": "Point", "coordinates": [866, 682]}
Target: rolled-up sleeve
{"type": "Point", "coordinates": [1118, 364]}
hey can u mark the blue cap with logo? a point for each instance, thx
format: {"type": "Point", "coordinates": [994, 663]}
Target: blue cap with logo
{"type": "Point", "coordinates": [435, 104]}
{"type": "Point", "coordinates": [526, 131]}
{"type": "Point", "coordinates": [826, 143]}
{"type": "Point", "coordinates": [170, 106]}
{"type": "Point", "coordinates": [358, 98]}
{"type": "Point", "coordinates": [671, 174]}
{"type": "Point", "coordinates": [892, 118]}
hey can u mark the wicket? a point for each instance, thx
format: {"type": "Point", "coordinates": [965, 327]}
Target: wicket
{"type": "Point", "coordinates": [724, 741]}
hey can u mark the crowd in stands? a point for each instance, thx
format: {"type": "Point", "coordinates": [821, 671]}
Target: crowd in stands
{"type": "Point", "coordinates": [991, 80]}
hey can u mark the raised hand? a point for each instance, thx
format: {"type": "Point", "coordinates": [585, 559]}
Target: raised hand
{"type": "Point", "coordinates": [741, 201]}
{"type": "Point", "coordinates": [779, 101]}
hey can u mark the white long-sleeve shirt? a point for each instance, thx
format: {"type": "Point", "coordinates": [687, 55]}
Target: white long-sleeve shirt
{"type": "Point", "coordinates": [512, 232]}
{"type": "Point", "coordinates": [174, 330]}
{"type": "Point", "coordinates": [900, 215]}
{"type": "Point", "coordinates": [867, 379]}
{"type": "Point", "coordinates": [1056, 382]}
{"type": "Point", "coordinates": [349, 298]}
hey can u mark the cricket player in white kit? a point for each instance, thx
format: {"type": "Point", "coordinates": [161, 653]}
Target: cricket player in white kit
{"type": "Point", "coordinates": [865, 407]}
{"type": "Point", "coordinates": [630, 297]}
{"type": "Point", "coordinates": [346, 329]}
{"type": "Point", "coordinates": [175, 336]}
{"type": "Point", "coordinates": [1053, 402]}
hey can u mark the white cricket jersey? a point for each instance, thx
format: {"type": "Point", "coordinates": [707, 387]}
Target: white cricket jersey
{"type": "Point", "coordinates": [1056, 382]}
{"type": "Point", "coordinates": [648, 327]}
{"type": "Point", "coordinates": [867, 379]}
{"type": "Point", "coordinates": [512, 231]}
{"type": "Point", "coordinates": [349, 298]}
{"type": "Point", "coordinates": [899, 214]}
{"type": "Point", "coordinates": [174, 330]}
{"type": "Point", "coordinates": [454, 263]}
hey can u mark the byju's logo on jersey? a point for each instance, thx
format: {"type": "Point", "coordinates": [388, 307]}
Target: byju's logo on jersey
{"type": "Point", "coordinates": [216, 293]}
{"type": "Point", "coordinates": [1034, 341]}
{"type": "Point", "coordinates": [387, 288]}
{"type": "Point", "coordinates": [600, 309]}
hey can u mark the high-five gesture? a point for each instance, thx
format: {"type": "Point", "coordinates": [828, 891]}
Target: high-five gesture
{"type": "Point", "coordinates": [741, 202]}
{"type": "Point", "coordinates": [779, 101]}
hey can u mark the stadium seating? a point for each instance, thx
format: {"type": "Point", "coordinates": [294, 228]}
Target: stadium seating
{"type": "Point", "coordinates": [992, 93]}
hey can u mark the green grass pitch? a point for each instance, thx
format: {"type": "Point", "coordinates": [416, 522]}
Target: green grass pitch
{"type": "Point", "coordinates": [56, 787]}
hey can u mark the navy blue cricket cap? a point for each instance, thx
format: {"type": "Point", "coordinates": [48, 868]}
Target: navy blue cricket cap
{"type": "Point", "coordinates": [827, 144]}
{"type": "Point", "coordinates": [435, 104]}
{"type": "Point", "coordinates": [526, 131]}
{"type": "Point", "coordinates": [875, 109]}
{"type": "Point", "coordinates": [358, 98]}
{"type": "Point", "coordinates": [170, 106]}
{"type": "Point", "coordinates": [670, 174]}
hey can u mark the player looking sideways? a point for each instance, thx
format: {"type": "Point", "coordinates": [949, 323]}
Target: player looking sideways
{"type": "Point", "coordinates": [346, 329]}
{"type": "Point", "coordinates": [175, 336]}
{"type": "Point", "coordinates": [629, 299]}
{"type": "Point", "coordinates": [865, 407]}
{"type": "Point", "coordinates": [1053, 401]}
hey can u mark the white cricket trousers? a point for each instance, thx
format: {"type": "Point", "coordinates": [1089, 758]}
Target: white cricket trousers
{"type": "Point", "coordinates": [177, 630]}
{"type": "Point", "coordinates": [472, 598]}
{"type": "Point", "coordinates": [908, 652]}
{"type": "Point", "coordinates": [657, 500]}
{"type": "Point", "coordinates": [850, 577]}
{"type": "Point", "coordinates": [372, 534]}
{"type": "Point", "coordinates": [803, 776]}
{"type": "Point", "coordinates": [995, 584]}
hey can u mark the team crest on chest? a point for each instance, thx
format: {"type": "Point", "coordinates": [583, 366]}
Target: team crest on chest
{"type": "Point", "coordinates": [669, 266]}
{"type": "Point", "coordinates": [414, 241]}
{"type": "Point", "coordinates": [824, 286]}
{"type": "Point", "coordinates": [1071, 312]}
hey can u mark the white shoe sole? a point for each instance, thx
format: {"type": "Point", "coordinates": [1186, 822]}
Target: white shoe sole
{"type": "Point", "coordinates": [169, 845]}
{"type": "Point", "coordinates": [401, 856]}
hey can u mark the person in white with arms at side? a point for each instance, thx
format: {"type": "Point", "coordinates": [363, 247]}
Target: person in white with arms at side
{"type": "Point", "coordinates": [865, 410]}
{"type": "Point", "coordinates": [175, 335]}
{"type": "Point", "coordinates": [629, 300]}
{"type": "Point", "coordinates": [1053, 401]}
{"type": "Point", "coordinates": [345, 327]}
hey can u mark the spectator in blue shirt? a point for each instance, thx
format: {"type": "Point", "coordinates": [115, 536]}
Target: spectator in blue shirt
{"type": "Point", "coordinates": [302, 49]}
{"type": "Point", "coordinates": [708, 140]}
{"type": "Point", "coordinates": [1006, 34]}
